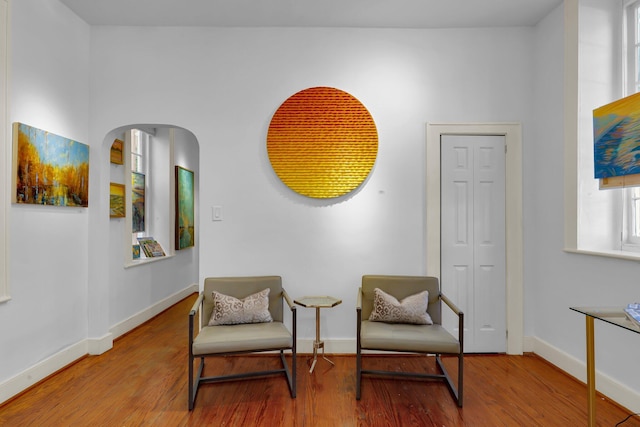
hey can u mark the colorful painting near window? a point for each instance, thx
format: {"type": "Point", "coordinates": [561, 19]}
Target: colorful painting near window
{"type": "Point", "coordinates": [137, 202]}
{"type": "Point", "coordinates": [116, 200]}
{"type": "Point", "coordinates": [616, 135]}
{"type": "Point", "coordinates": [116, 152]}
{"type": "Point", "coordinates": [49, 169]}
{"type": "Point", "coordinates": [185, 206]}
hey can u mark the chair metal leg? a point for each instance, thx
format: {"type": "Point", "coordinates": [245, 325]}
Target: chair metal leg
{"type": "Point", "coordinates": [460, 373]}
{"type": "Point", "coordinates": [290, 376]}
{"type": "Point", "coordinates": [456, 393]}
{"type": "Point", "coordinates": [294, 368]}
{"type": "Point", "coordinates": [358, 373]}
{"type": "Point", "coordinates": [358, 351]}
{"type": "Point", "coordinates": [294, 349]}
{"type": "Point", "coordinates": [190, 382]}
{"type": "Point", "coordinates": [193, 391]}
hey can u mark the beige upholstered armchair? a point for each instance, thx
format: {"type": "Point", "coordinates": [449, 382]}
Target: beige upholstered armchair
{"type": "Point", "coordinates": [241, 315]}
{"type": "Point", "coordinates": [391, 317]}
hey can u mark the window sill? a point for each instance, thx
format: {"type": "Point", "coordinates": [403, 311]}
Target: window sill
{"type": "Point", "coordinates": [631, 256]}
{"type": "Point", "coordinates": [145, 261]}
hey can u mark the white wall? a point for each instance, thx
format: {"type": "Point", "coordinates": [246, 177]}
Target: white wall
{"type": "Point", "coordinates": [556, 280]}
{"type": "Point", "coordinates": [68, 297]}
{"type": "Point", "coordinates": [4, 148]}
{"type": "Point", "coordinates": [48, 248]}
{"type": "Point", "coordinates": [225, 84]}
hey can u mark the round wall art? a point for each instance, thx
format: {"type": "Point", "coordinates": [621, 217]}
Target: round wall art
{"type": "Point", "coordinates": [322, 142]}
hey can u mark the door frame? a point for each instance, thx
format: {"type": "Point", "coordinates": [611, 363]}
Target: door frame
{"type": "Point", "coordinates": [513, 215]}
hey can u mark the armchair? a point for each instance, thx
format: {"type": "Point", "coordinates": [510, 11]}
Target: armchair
{"type": "Point", "coordinates": [404, 337]}
{"type": "Point", "coordinates": [228, 339]}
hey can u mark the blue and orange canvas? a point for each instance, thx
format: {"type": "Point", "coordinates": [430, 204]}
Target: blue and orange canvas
{"type": "Point", "coordinates": [616, 135]}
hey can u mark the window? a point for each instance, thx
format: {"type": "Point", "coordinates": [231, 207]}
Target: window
{"type": "Point", "coordinates": [147, 179]}
{"type": "Point", "coordinates": [632, 29]}
{"type": "Point", "coordinates": [631, 200]}
{"type": "Point", "coordinates": [139, 179]}
{"type": "Point", "coordinates": [631, 231]}
{"type": "Point", "coordinates": [139, 144]}
{"type": "Point", "coordinates": [594, 70]}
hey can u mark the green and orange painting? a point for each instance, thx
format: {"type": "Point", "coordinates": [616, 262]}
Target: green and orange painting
{"type": "Point", "coordinates": [49, 169]}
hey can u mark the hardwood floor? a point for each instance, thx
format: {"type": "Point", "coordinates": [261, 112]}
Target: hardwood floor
{"type": "Point", "coordinates": [142, 381]}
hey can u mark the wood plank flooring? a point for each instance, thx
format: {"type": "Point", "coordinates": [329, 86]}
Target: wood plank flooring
{"type": "Point", "coordinates": [142, 381]}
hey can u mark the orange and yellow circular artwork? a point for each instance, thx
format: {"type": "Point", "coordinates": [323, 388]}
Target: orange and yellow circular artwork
{"type": "Point", "coordinates": [322, 142]}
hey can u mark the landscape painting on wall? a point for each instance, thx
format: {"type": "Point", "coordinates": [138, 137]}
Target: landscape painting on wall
{"type": "Point", "coordinates": [137, 202]}
{"type": "Point", "coordinates": [185, 226]}
{"type": "Point", "coordinates": [616, 135]}
{"type": "Point", "coordinates": [116, 200]}
{"type": "Point", "coordinates": [49, 169]}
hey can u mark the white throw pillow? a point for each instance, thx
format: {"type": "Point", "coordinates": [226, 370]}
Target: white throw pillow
{"type": "Point", "coordinates": [412, 309]}
{"type": "Point", "coordinates": [228, 310]}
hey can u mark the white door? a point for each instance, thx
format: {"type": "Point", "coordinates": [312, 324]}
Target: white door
{"type": "Point", "coordinates": [473, 256]}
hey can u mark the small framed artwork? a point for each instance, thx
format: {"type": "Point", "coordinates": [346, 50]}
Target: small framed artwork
{"type": "Point", "coordinates": [185, 202]}
{"type": "Point", "coordinates": [135, 251]}
{"type": "Point", "coordinates": [116, 152]}
{"type": "Point", "coordinates": [116, 201]}
{"type": "Point", "coordinates": [137, 201]}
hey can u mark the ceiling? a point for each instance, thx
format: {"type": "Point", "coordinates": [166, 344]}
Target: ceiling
{"type": "Point", "coordinates": [314, 13]}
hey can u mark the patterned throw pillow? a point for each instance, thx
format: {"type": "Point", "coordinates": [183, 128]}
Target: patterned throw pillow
{"type": "Point", "coordinates": [412, 309]}
{"type": "Point", "coordinates": [228, 310]}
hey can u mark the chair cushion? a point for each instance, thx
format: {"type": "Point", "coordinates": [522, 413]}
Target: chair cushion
{"type": "Point", "coordinates": [402, 337]}
{"type": "Point", "coordinates": [246, 337]}
{"type": "Point", "coordinates": [228, 310]}
{"type": "Point", "coordinates": [412, 309]}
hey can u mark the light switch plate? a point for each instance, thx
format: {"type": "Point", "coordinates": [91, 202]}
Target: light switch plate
{"type": "Point", "coordinates": [216, 213]}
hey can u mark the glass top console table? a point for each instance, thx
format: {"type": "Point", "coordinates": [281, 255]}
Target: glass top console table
{"type": "Point", "coordinates": [614, 316]}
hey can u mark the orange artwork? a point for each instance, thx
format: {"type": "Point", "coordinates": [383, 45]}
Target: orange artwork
{"type": "Point", "coordinates": [322, 142]}
{"type": "Point", "coordinates": [116, 151]}
{"type": "Point", "coordinates": [49, 169]}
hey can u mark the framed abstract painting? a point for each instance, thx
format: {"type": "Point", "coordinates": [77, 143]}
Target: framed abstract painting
{"type": "Point", "coordinates": [49, 169]}
{"type": "Point", "coordinates": [116, 152]}
{"type": "Point", "coordinates": [616, 138]}
{"type": "Point", "coordinates": [185, 206]}
{"type": "Point", "coordinates": [116, 200]}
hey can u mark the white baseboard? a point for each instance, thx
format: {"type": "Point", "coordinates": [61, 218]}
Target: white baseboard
{"type": "Point", "coordinates": [41, 370]}
{"type": "Point", "coordinates": [149, 313]}
{"type": "Point", "coordinates": [93, 346]}
{"type": "Point", "coordinates": [96, 346]}
{"type": "Point", "coordinates": [606, 385]}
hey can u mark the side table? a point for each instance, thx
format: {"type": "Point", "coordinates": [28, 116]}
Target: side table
{"type": "Point", "coordinates": [614, 316]}
{"type": "Point", "coordinates": [318, 302]}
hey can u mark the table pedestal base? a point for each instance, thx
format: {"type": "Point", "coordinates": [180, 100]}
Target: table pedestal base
{"type": "Point", "coordinates": [318, 345]}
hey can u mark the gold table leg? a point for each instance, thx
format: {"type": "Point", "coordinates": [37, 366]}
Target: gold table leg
{"type": "Point", "coordinates": [318, 344]}
{"type": "Point", "coordinates": [591, 373]}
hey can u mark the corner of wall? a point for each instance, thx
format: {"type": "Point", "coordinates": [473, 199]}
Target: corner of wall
{"type": "Point", "coordinates": [139, 318]}
{"type": "Point", "coordinates": [97, 346]}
